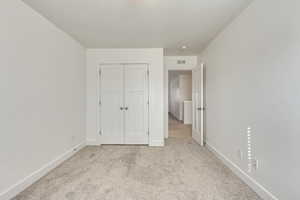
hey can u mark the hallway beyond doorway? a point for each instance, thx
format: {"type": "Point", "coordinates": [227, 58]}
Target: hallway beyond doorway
{"type": "Point", "coordinates": [179, 130]}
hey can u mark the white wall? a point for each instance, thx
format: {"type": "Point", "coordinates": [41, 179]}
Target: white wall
{"type": "Point", "coordinates": [152, 56]}
{"type": "Point", "coordinates": [185, 84]}
{"type": "Point", "coordinates": [174, 96]}
{"type": "Point", "coordinates": [253, 70]}
{"type": "Point", "coordinates": [42, 85]}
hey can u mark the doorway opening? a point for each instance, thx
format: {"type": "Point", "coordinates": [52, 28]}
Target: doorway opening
{"type": "Point", "coordinates": [185, 106]}
{"type": "Point", "coordinates": [180, 114]}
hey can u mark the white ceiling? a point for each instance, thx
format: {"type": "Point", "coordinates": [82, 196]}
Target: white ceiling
{"type": "Point", "coordinates": [141, 23]}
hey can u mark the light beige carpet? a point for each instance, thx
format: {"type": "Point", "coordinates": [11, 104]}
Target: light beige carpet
{"type": "Point", "coordinates": [182, 170]}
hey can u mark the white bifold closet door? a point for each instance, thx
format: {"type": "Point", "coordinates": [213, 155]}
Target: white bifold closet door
{"type": "Point", "coordinates": [124, 104]}
{"type": "Point", "coordinates": [136, 104]}
{"type": "Point", "coordinates": [111, 102]}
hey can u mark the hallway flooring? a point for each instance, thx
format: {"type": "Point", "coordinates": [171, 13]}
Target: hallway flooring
{"type": "Point", "coordinates": [179, 130]}
{"type": "Point", "coordinates": [182, 170]}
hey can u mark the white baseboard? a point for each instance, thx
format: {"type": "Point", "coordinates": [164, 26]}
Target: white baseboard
{"type": "Point", "coordinates": [90, 142]}
{"type": "Point", "coordinates": [157, 143]}
{"type": "Point", "coordinates": [258, 188]}
{"type": "Point", "coordinates": [196, 136]}
{"type": "Point", "coordinates": [29, 180]}
{"type": "Point", "coordinates": [152, 143]}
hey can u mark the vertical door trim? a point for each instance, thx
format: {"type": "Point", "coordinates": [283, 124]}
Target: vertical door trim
{"type": "Point", "coordinates": [148, 93]}
{"type": "Point", "coordinates": [202, 104]}
{"type": "Point", "coordinates": [99, 124]}
{"type": "Point", "coordinates": [123, 102]}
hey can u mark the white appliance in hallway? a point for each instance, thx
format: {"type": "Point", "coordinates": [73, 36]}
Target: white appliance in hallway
{"type": "Point", "coordinates": [123, 104]}
{"type": "Point", "coordinates": [198, 104]}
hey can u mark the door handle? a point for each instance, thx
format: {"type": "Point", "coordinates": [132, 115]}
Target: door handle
{"type": "Point", "coordinates": [201, 109]}
{"type": "Point", "coordinates": [126, 108]}
{"type": "Point", "coordinates": [121, 108]}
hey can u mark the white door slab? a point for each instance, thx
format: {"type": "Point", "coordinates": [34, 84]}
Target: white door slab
{"type": "Point", "coordinates": [111, 100]}
{"type": "Point", "coordinates": [136, 103]}
{"type": "Point", "coordinates": [198, 105]}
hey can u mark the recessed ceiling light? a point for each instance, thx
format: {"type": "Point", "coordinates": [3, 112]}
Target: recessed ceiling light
{"type": "Point", "coordinates": [184, 47]}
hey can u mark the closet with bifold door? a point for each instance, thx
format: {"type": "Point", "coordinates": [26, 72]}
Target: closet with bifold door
{"type": "Point", "coordinates": [123, 115]}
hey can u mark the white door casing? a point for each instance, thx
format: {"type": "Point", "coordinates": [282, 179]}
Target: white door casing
{"type": "Point", "coordinates": [123, 104]}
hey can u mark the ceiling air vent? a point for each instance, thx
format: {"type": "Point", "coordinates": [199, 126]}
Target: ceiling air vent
{"type": "Point", "coordinates": [181, 62]}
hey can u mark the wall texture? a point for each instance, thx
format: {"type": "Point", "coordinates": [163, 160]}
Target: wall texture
{"type": "Point", "coordinates": [152, 56]}
{"type": "Point", "coordinates": [42, 85]}
{"type": "Point", "coordinates": [253, 80]}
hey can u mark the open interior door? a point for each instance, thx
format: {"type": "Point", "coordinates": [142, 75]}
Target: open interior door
{"type": "Point", "coordinates": [198, 104]}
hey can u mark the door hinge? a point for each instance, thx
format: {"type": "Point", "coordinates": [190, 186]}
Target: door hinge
{"type": "Point", "coordinates": [148, 72]}
{"type": "Point", "coordinates": [99, 103]}
{"type": "Point", "coordinates": [148, 102]}
{"type": "Point", "coordinates": [99, 72]}
{"type": "Point", "coordinates": [100, 132]}
{"type": "Point", "coordinates": [148, 133]}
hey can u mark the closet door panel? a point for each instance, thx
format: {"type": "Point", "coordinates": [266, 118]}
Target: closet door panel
{"type": "Point", "coordinates": [136, 103]}
{"type": "Point", "coordinates": [112, 122]}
